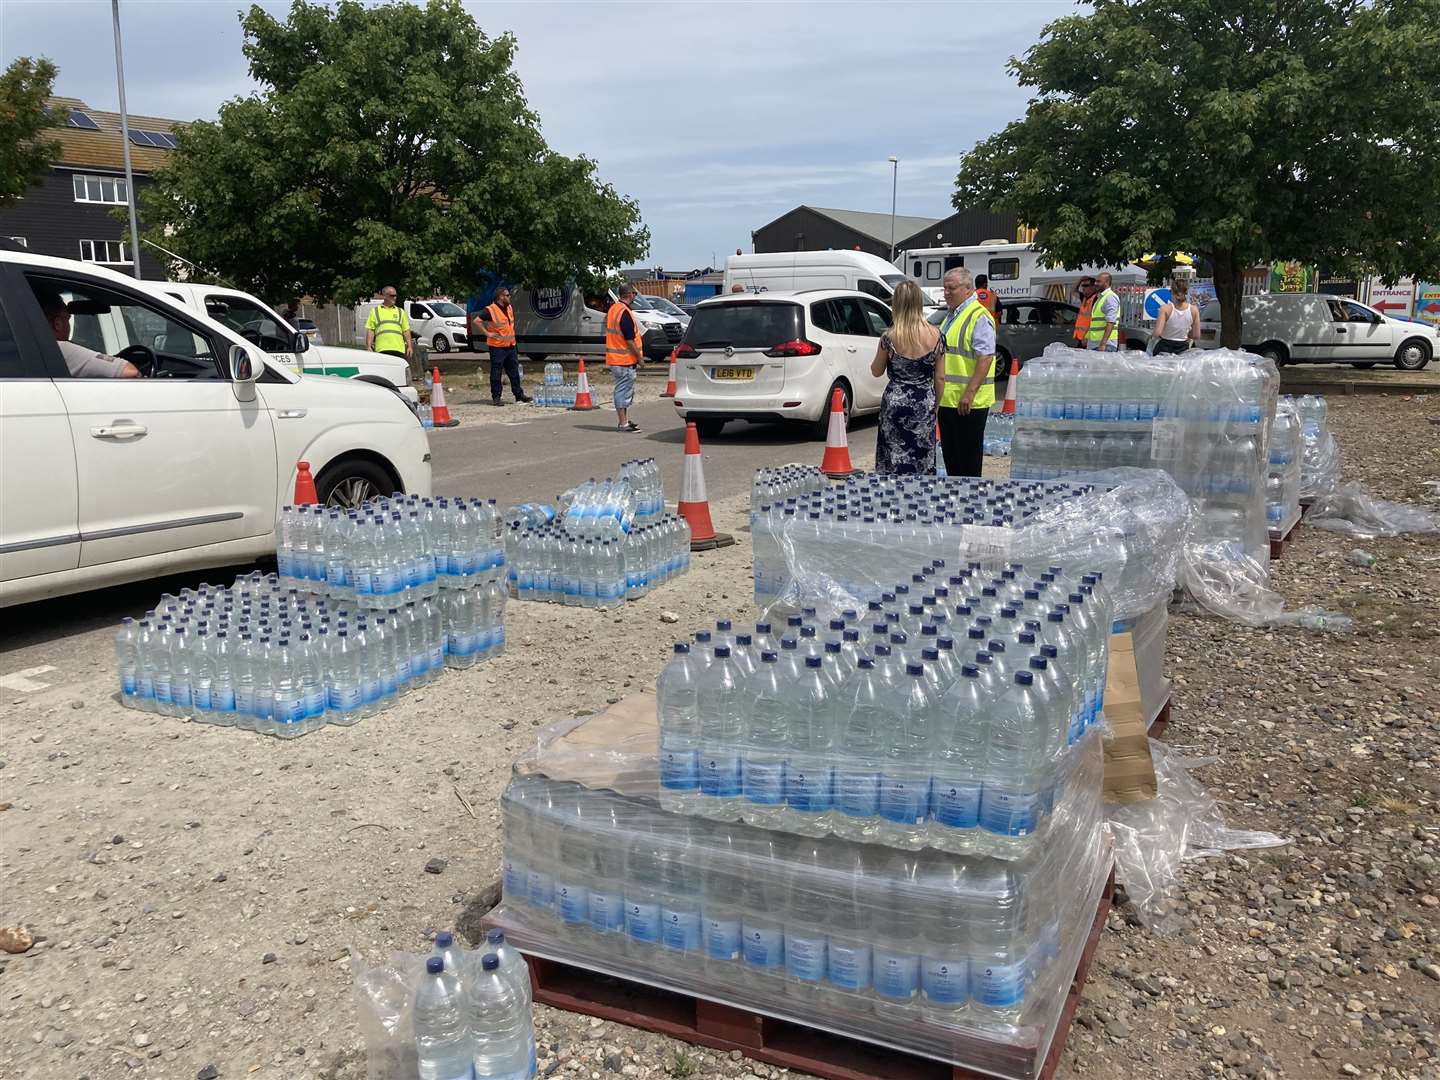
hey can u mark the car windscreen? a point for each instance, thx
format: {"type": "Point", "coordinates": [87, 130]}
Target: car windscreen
{"type": "Point", "coordinates": [446, 310]}
{"type": "Point", "coordinates": [748, 325]}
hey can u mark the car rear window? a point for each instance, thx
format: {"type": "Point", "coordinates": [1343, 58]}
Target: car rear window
{"type": "Point", "coordinates": [747, 325]}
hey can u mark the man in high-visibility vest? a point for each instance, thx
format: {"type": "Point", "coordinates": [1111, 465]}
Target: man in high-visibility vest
{"type": "Point", "coordinates": [498, 319]}
{"type": "Point", "coordinates": [1086, 290]}
{"type": "Point", "coordinates": [963, 386]}
{"type": "Point", "coordinates": [1103, 334]}
{"type": "Point", "coordinates": [387, 328]}
{"type": "Point", "coordinates": [623, 353]}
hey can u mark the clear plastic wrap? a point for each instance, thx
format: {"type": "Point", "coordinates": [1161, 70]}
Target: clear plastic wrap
{"type": "Point", "coordinates": [967, 960]}
{"type": "Point", "coordinates": [1320, 453]}
{"type": "Point", "coordinates": [384, 1003]}
{"type": "Point", "coordinates": [1156, 837]}
{"type": "Point", "coordinates": [842, 548]}
{"type": "Point", "coordinates": [1282, 477]}
{"type": "Point", "coordinates": [1351, 510]}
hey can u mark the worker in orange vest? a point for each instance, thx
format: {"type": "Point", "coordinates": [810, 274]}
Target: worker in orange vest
{"type": "Point", "coordinates": [498, 319]}
{"type": "Point", "coordinates": [623, 353]}
{"type": "Point", "coordinates": [987, 298]}
{"type": "Point", "coordinates": [1086, 289]}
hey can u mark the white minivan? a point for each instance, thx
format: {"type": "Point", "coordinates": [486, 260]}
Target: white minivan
{"type": "Point", "coordinates": [108, 480]}
{"type": "Point", "coordinates": [1306, 328]}
{"type": "Point", "coordinates": [793, 271]}
{"type": "Point", "coordinates": [438, 323]}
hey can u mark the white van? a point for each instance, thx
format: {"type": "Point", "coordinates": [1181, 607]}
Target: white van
{"type": "Point", "coordinates": [798, 271]}
{"type": "Point", "coordinates": [256, 322]}
{"type": "Point", "coordinates": [1014, 270]}
{"type": "Point", "coordinates": [567, 321]}
{"type": "Point", "coordinates": [1306, 328]}
{"type": "Point", "coordinates": [108, 480]}
{"type": "Point", "coordinates": [438, 323]}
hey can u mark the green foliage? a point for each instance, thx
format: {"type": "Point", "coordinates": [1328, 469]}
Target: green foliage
{"type": "Point", "coordinates": [24, 154]}
{"type": "Point", "coordinates": [389, 145]}
{"type": "Point", "coordinates": [1244, 131]}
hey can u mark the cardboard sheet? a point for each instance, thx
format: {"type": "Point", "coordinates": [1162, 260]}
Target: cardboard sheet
{"type": "Point", "coordinates": [1129, 772]}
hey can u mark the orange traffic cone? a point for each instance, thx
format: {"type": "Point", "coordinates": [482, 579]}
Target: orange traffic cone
{"type": "Point", "coordinates": [939, 454]}
{"type": "Point", "coordinates": [1009, 409]}
{"type": "Point", "coordinates": [439, 411]}
{"type": "Point", "coordinates": [694, 506]}
{"type": "Point", "coordinates": [583, 401]}
{"type": "Point", "coordinates": [304, 486]}
{"type": "Point", "coordinates": [670, 384]}
{"type": "Point", "coordinates": [836, 461]}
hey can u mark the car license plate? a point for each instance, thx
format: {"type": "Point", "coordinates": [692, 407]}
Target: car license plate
{"type": "Point", "coordinates": [733, 373]}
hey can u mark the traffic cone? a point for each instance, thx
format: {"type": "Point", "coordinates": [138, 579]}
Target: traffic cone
{"type": "Point", "coordinates": [670, 384]}
{"type": "Point", "coordinates": [1009, 409]}
{"type": "Point", "coordinates": [836, 461]}
{"type": "Point", "coordinates": [583, 401]}
{"type": "Point", "coordinates": [304, 486]}
{"type": "Point", "coordinates": [694, 506]}
{"type": "Point", "coordinates": [939, 454]}
{"type": "Point", "coordinates": [439, 411]}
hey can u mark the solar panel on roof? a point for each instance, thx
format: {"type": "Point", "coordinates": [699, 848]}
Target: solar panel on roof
{"type": "Point", "coordinates": [140, 138]}
{"type": "Point", "coordinates": [163, 138]}
{"type": "Point", "coordinates": [77, 119]}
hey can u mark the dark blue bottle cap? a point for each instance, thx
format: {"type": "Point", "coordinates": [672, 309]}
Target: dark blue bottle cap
{"type": "Point", "coordinates": [882, 650]}
{"type": "Point", "coordinates": [434, 965]}
{"type": "Point", "coordinates": [812, 661]}
{"type": "Point", "coordinates": [788, 643]}
{"type": "Point", "coordinates": [444, 939]}
{"type": "Point", "coordinates": [865, 663]}
{"type": "Point", "coordinates": [682, 647]}
{"type": "Point", "coordinates": [914, 669]}
{"type": "Point", "coordinates": [722, 652]}
{"type": "Point", "coordinates": [930, 654]}
{"type": "Point", "coordinates": [1024, 678]}
{"type": "Point", "coordinates": [970, 671]}
{"type": "Point", "coordinates": [490, 962]}
{"type": "Point", "coordinates": [769, 656]}
{"type": "Point", "coordinates": [1038, 663]}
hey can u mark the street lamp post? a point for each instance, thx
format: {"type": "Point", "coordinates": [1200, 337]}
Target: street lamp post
{"type": "Point", "coordinates": [125, 140]}
{"type": "Point", "coordinates": [894, 186]}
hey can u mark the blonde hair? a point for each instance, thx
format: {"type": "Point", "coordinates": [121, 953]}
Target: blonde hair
{"type": "Point", "coordinates": [910, 333]}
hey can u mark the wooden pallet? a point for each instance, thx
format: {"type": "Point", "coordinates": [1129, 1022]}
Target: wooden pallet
{"type": "Point", "coordinates": [1161, 721]}
{"type": "Point", "coordinates": [1277, 547]}
{"type": "Point", "coordinates": [765, 1038]}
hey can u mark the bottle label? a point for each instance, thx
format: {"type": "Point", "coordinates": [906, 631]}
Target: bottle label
{"type": "Point", "coordinates": [370, 691]}
{"type": "Point", "coordinates": [642, 921]}
{"type": "Point", "coordinates": [573, 901]}
{"type": "Point", "coordinates": [415, 573]}
{"type": "Point", "coordinates": [419, 663]}
{"type": "Point", "coordinates": [144, 687]}
{"type": "Point", "coordinates": [163, 692]}
{"type": "Point", "coordinates": [680, 769]}
{"type": "Point", "coordinates": [765, 782]}
{"type": "Point", "coordinates": [946, 979]}
{"type": "Point", "coordinates": [542, 889]}
{"type": "Point", "coordinates": [680, 929]}
{"type": "Point", "coordinates": [607, 912]}
{"type": "Point", "coordinates": [516, 879]}
{"type": "Point", "coordinates": [849, 966]}
{"type": "Point", "coordinates": [904, 800]}
{"type": "Point", "coordinates": [364, 583]}
{"type": "Point", "coordinates": [805, 957]}
{"type": "Point", "coordinates": [222, 698]}
{"type": "Point", "coordinates": [403, 671]}
{"type": "Point", "coordinates": [720, 775]}
{"type": "Point", "coordinates": [897, 974]}
{"type": "Point", "coordinates": [181, 696]}
{"type": "Point", "coordinates": [764, 947]}
{"type": "Point", "coordinates": [1000, 985]}
{"type": "Point", "coordinates": [389, 686]}
{"type": "Point", "coordinates": [956, 803]}
{"type": "Point", "coordinates": [200, 695]}
{"type": "Point", "coordinates": [342, 699]}
{"type": "Point", "coordinates": [289, 711]}
{"type": "Point", "coordinates": [336, 575]}
{"type": "Point", "coordinates": [387, 582]}
{"type": "Point", "coordinates": [461, 644]}
{"type": "Point", "coordinates": [1009, 812]}
{"type": "Point", "coordinates": [127, 683]}
{"type": "Point", "coordinates": [437, 657]}
{"type": "Point", "coordinates": [722, 939]}
{"type": "Point", "coordinates": [809, 790]}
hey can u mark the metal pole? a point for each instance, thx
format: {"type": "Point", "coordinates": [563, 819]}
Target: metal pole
{"type": "Point", "coordinates": [894, 186]}
{"type": "Point", "coordinates": [125, 140]}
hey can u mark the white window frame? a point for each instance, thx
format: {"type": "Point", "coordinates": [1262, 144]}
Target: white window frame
{"type": "Point", "coordinates": [1005, 268]}
{"type": "Point", "coordinates": [89, 249]}
{"type": "Point", "coordinates": [80, 188]}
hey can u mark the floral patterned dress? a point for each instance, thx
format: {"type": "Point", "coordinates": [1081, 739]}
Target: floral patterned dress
{"type": "Point", "coordinates": [906, 442]}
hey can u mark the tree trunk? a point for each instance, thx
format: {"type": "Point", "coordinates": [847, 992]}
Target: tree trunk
{"type": "Point", "coordinates": [1229, 285]}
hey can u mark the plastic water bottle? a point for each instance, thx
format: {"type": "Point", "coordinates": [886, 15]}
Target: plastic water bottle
{"type": "Point", "coordinates": [959, 771]}
{"type": "Point", "coordinates": [864, 725]}
{"type": "Point", "coordinates": [288, 694]}
{"type": "Point", "coordinates": [897, 941]}
{"type": "Point", "coordinates": [681, 934]}
{"type": "Point", "coordinates": [345, 691]}
{"type": "Point", "coordinates": [643, 883]}
{"type": "Point", "coordinates": [676, 703]}
{"type": "Point", "coordinates": [945, 905]}
{"type": "Point", "coordinates": [809, 770]}
{"type": "Point", "coordinates": [514, 968]}
{"type": "Point", "coordinates": [905, 767]}
{"type": "Point", "coordinates": [722, 904]}
{"type": "Point", "coordinates": [762, 928]}
{"type": "Point", "coordinates": [127, 662]}
{"type": "Point", "coordinates": [722, 720]}
{"type": "Point", "coordinates": [500, 1024]}
{"type": "Point", "coordinates": [1011, 801]}
{"type": "Point", "coordinates": [765, 739]}
{"type": "Point", "coordinates": [443, 1044]}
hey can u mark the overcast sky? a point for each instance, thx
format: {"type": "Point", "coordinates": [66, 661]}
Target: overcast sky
{"type": "Point", "coordinates": [724, 116]}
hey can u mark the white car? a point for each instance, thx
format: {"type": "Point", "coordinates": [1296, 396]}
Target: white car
{"type": "Point", "coordinates": [438, 323]}
{"type": "Point", "coordinates": [663, 309]}
{"type": "Point", "coordinates": [257, 323]}
{"type": "Point", "coordinates": [1304, 328]}
{"type": "Point", "coordinates": [779, 356]}
{"type": "Point", "coordinates": [108, 480]}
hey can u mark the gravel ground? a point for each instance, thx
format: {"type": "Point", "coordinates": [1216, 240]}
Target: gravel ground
{"type": "Point", "coordinates": [195, 892]}
{"type": "Point", "coordinates": [467, 393]}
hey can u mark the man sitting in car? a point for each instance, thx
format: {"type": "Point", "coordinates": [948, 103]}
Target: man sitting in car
{"type": "Point", "coordinates": [82, 363]}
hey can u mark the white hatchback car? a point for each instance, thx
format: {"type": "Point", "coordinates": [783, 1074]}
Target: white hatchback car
{"type": "Point", "coordinates": [108, 480]}
{"type": "Point", "coordinates": [779, 356]}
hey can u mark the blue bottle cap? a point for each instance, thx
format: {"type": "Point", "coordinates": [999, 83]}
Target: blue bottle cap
{"type": "Point", "coordinates": [865, 663]}
{"type": "Point", "coordinates": [769, 656]}
{"type": "Point", "coordinates": [1038, 663]}
{"type": "Point", "coordinates": [444, 939]}
{"type": "Point", "coordinates": [434, 965]}
{"type": "Point", "coordinates": [1024, 678]}
{"type": "Point", "coordinates": [914, 669]}
{"type": "Point", "coordinates": [970, 671]}
{"type": "Point", "coordinates": [490, 962]}
{"type": "Point", "coordinates": [722, 652]}
{"type": "Point", "coordinates": [682, 647]}
{"type": "Point", "coordinates": [812, 661]}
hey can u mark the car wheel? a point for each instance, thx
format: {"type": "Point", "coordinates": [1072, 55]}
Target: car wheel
{"type": "Point", "coordinates": [1275, 352]}
{"type": "Point", "coordinates": [349, 484]}
{"type": "Point", "coordinates": [439, 343]}
{"type": "Point", "coordinates": [1412, 355]}
{"type": "Point", "coordinates": [822, 426]}
{"type": "Point", "coordinates": [1365, 366]}
{"type": "Point", "coordinates": [708, 427]}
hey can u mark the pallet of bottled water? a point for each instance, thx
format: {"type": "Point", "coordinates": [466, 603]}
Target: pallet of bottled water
{"type": "Point", "coordinates": [950, 720]}
{"type": "Point", "coordinates": [647, 485]}
{"type": "Point", "coordinates": [553, 565]}
{"type": "Point", "coordinates": [1319, 452]}
{"type": "Point", "coordinates": [455, 1014]}
{"type": "Point", "coordinates": [1283, 468]}
{"type": "Point", "coordinates": [265, 657]}
{"type": "Point", "coordinates": [772, 485]}
{"type": "Point", "coordinates": [955, 957]}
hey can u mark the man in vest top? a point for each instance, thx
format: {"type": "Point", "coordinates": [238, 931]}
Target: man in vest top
{"type": "Point", "coordinates": [1085, 289]}
{"type": "Point", "coordinates": [1103, 334]}
{"type": "Point", "coordinates": [498, 319]}
{"type": "Point", "coordinates": [963, 387]}
{"type": "Point", "coordinates": [623, 354]}
{"type": "Point", "coordinates": [387, 328]}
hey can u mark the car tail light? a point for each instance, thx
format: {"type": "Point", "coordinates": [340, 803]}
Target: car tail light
{"type": "Point", "coordinates": [797, 347]}
{"type": "Point", "coordinates": [685, 351]}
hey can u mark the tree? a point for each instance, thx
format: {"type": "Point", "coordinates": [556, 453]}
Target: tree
{"type": "Point", "coordinates": [25, 154]}
{"type": "Point", "coordinates": [1242, 131]}
{"type": "Point", "coordinates": [388, 145]}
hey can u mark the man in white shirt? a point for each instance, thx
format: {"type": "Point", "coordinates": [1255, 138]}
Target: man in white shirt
{"type": "Point", "coordinates": [81, 362]}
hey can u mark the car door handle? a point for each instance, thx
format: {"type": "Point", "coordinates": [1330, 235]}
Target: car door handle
{"type": "Point", "coordinates": [118, 431]}
{"type": "Point", "coordinates": [1341, 330]}
{"type": "Point", "coordinates": [291, 414]}
{"type": "Point", "coordinates": [851, 348]}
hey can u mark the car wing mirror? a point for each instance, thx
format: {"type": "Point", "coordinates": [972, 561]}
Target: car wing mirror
{"type": "Point", "coordinates": [242, 372]}
{"type": "Point", "coordinates": [299, 342]}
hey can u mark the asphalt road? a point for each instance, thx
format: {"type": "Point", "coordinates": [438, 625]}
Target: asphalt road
{"type": "Point", "coordinates": [509, 462]}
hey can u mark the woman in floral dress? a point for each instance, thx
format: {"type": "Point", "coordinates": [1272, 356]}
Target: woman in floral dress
{"type": "Point", "coordinates": [911, 353]}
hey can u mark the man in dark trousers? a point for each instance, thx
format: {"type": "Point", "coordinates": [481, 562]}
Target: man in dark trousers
{"type": "Point", "coordinates": [498, 320]}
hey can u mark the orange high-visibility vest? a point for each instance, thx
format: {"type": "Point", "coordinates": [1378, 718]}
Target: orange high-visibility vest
{"type": "Point", "coordinates": [617, 353]}
{"type": "Point", "coordinates": [500, 327]}
{"type": "Point", "coordinates": [1082, 321]}
{"type": "Point", "coordinates": [986, 297]}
